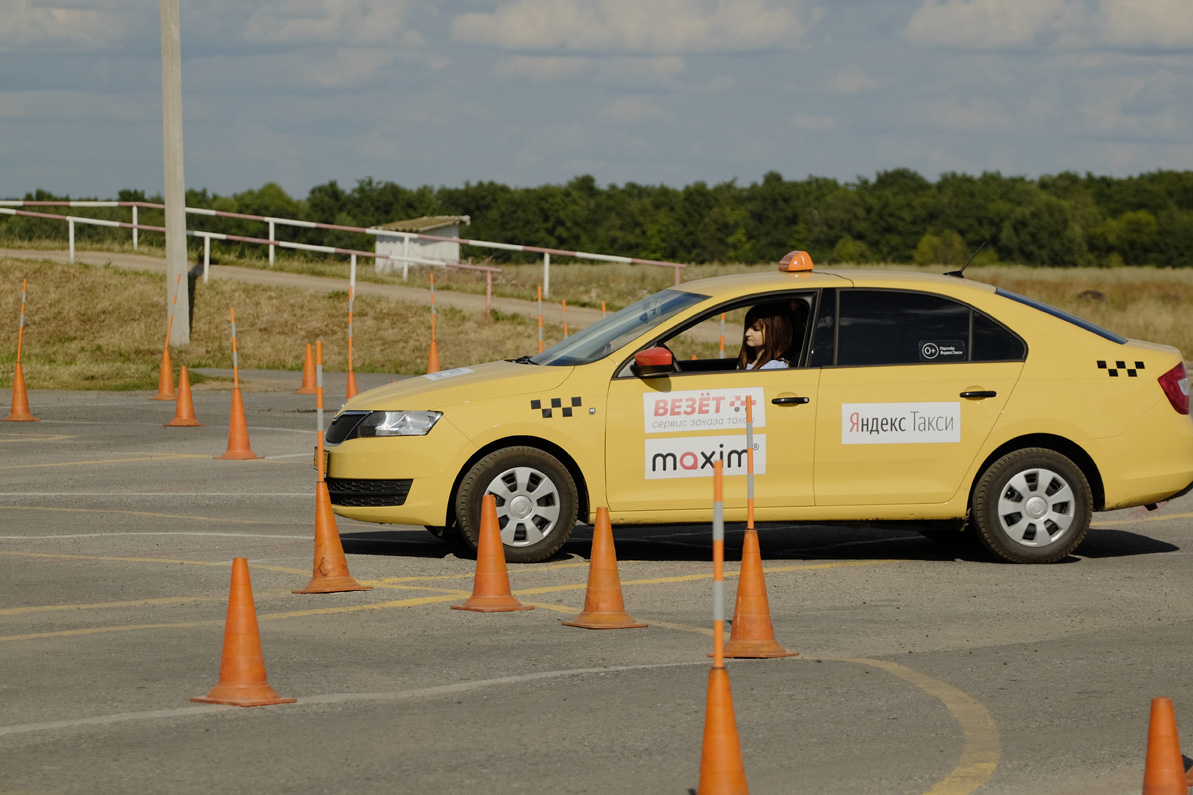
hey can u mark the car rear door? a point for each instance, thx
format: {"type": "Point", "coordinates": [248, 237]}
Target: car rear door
{"type": "Point", "coordinates": [904, 405]}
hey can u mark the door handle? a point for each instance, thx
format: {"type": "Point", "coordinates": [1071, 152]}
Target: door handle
{"type": "Point", "coordinates": [791, 401]}
{"type": "Point", "coordinates": [979, 393]}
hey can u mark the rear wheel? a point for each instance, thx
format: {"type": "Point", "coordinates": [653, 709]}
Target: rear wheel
{"type": "Point", "coordinates": [1032, 506]}
{"type": "Point", "coordinates": [536, 502]}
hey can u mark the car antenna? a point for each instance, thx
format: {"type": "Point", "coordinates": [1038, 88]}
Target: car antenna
{"type": "Point", "coordinates": [961, 273]}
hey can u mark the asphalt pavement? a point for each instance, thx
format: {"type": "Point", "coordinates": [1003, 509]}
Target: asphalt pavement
{"type": "Point", "coordinates": [922, 668]}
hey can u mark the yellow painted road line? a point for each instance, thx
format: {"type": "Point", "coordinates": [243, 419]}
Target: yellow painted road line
{"type": "Point", "coordinates": [982, 747]}
{"type": "Point", "coordinates": [980, 754]}
{"type": "Point", "coordinates": [157, 601]}
{"type": "Point", "coordinates": [66, 633]}
{"type": "Point", "coordinates": [44, 437]}
{"type": "Point", "coordinates": [1095, 525]}
{"type": "Point", "coordinates": [60, 556]}
{"type": "Point", "coordinates": [148, 457]}
{"type": "Point", "coordinates": [149, 514]}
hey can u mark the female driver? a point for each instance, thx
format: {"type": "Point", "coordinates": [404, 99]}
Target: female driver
{"type": "Point", "coordinates": [766, 338]}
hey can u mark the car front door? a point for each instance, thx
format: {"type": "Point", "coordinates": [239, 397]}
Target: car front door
{"type": "Point", "coordinates": [664, 433]}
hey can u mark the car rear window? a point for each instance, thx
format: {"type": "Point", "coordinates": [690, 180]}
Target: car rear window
{"type": "Point", "coordinates": [1063, 315]}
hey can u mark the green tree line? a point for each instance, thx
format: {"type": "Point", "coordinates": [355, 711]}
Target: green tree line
{"type": "Point", "coordinates": [898, 216]}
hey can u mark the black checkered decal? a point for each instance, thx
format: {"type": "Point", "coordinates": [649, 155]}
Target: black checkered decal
{"type": "Point", "coordinates": [1113, 372]}
{"type": "Point", "coordinates": [555, 403]}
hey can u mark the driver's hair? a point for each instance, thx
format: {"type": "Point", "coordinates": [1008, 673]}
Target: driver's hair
{"type": "Point", "coordinates": [775, 322]}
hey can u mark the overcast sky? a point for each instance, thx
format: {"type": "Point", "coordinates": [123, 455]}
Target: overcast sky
{"type": "Point", "coordinates": [529, 92]}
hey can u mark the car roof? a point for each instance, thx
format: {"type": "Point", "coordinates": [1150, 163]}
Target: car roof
{"type": "Point", "coordinates": [770, 279]}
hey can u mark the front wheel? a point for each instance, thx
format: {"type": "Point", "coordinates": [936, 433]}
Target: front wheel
{"type": "Point", "coordinates": [536, 502]}
{"type": "Point", "coordinates": [1032, 506]}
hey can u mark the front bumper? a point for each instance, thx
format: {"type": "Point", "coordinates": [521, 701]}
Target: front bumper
{"type": "Point", "coordinates": [397, 479]}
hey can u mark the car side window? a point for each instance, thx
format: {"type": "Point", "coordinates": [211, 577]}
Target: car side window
{"type": "Point", "coordinates": [901, 327]}
{"type": "Point", "coordinates": [897, 327]}
{"type": "Point", "coordinates": [993, 343]}
{"type": "Point", "coordinates": [697, 347]}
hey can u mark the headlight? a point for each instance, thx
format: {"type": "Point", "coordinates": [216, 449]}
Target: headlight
{"type": "Point", "coordinates": [398, 423]}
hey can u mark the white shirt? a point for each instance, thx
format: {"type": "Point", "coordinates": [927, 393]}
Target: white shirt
{"type": "Point", "coordinates": [773, 364]}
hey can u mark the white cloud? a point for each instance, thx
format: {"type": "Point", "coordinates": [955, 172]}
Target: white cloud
{"type": "Point", "coordinates": [809, 121]}
{"type": "Point", "coordinates": [852, 80]}
{"type": "Point", "coordinates": [659, 26]}
{"type": "Point", "coordinates": [987, 24]}
{"type": "Point", "coordinates": [1164, 24]}
{"type": "Point", "coordinates": [977, 114]}
{"type": "Point", "coordinates": [77, 107]}
{"type": "Point", "coordinates": [344, 22]}
{"type": "Point", "coordinates": [617, 71]}
{"type": "Point", "coordinates": [294, 71]}
{"type": "Point", "coordinates": [632, 109]}
{"type": "Point", "coordinates": [78, 26]}
{"type": "Point", "coordinates": [1063, 24]}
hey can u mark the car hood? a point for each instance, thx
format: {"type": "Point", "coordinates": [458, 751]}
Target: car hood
{"type": "Point", "coordinates": [437, 391]}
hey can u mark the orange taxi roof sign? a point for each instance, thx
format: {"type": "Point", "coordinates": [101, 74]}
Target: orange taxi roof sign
{"type": "Point", "coordinates": [795, 261]}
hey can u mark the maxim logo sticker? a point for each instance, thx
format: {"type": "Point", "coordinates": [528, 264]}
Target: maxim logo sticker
{"type": "Point", "coordinates": [698, 410]}
{"type": "Point", "coordinates": [900, 423]}
{"type": "Point", "coordinates": [694, 456]}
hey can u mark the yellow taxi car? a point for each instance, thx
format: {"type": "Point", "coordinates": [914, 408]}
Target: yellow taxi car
{"type": "Point", "coordinates": [901, 396]}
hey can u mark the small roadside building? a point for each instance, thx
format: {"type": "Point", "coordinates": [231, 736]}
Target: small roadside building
{"type": "Point", "coordinates": [403, 243]}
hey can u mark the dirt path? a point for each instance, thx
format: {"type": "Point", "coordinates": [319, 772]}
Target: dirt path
{"type": "Point", "coordinates": [580, 316]}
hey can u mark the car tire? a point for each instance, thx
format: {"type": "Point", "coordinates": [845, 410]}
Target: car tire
{"type": "Point", "coordinates": [536, 502]}
{"type": "Point", "coordinates": [1031, 506]}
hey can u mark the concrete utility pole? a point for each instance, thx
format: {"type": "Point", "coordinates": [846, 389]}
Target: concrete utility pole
{"type": "Point", "coordinates": [175, 198]}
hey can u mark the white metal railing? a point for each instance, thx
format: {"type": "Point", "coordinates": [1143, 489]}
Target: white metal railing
{"type": "Point", "coordinates": [272, 241]}
{"type": "Point", "coordinates": [209, 236]}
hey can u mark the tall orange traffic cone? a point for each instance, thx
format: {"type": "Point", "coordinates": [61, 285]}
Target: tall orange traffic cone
{"type": "Point", "coordinates": [238, 433]}
{"type": "Point", "coordinates": [165, 378]}
{"type": "Point", "coordinates": [184, 412]}
{"type": "Point", "coordinates": [20, 399]}
{"type": "Point", "coordinates": [309, 387]}
{"type": "Point", "coordinates": [433, 358]}
{"type": "Point", "coordinates": [491, 585]}
{"type": "Point", "coordinates": [242, 665]}
{"type": "Point", "coordinates": [603, 605]}
{"type": "Point", "coordinates": [1164, 772]}
{"type": "Point", "coordinates": [330, 574]}
{"type": "Point", "coordinates": [351, 390]}
{"type": "Point", "coordinates": [753, 633]}
{"type": "Point", "coordinates": [722, 770]}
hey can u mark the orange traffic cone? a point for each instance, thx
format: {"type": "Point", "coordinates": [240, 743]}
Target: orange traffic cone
{"type": "Point", "coordinates": [238, 433]}
{"type": "Point", "coordinates": [433, 358]}
{"type": "Point", "coordinates": [331, 567]}
{"type": "Point", "coordinates": [165, 378]}
{"type": "Point", "coordinates": [351, 391]}
{"type": "Point", "coordinates": [184, 412]}
{"type": "Point", "coordinates": [722, 771]}
{"type": "Point", "coordinates": [603, 605]}
{"type": "Point", "coordinates": [309, 387]}
{"type": "Point", "coordinates": [1164, 772]}
{"type": "Point", "coordinates": [20, 399]}
{"type": "Point", "coordinates": [242, 666]}
{"type": "Point", "coordinates": [753, 634]}
{"type": "Point", "coordinates": [491, 585]}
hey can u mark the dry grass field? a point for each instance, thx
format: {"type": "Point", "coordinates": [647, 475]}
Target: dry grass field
{"type": "Point", "coordinates": [101, 328]}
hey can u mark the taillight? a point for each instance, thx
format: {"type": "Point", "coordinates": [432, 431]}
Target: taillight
{"type": "Point", "coordinates": [1175, 384]}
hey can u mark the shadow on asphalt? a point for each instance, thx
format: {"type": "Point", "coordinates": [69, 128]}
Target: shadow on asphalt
{"type": "Point", "coordinates": [1120, 543]}
{"type": "Point", "coordinates": [683, 543]}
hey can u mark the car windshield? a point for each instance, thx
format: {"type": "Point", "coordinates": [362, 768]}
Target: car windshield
{"type": "Point", "coordinates": [610, 333]}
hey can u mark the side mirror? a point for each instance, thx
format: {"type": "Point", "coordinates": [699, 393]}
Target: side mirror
{"type": "Point", "coordinates": [654, 357]}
